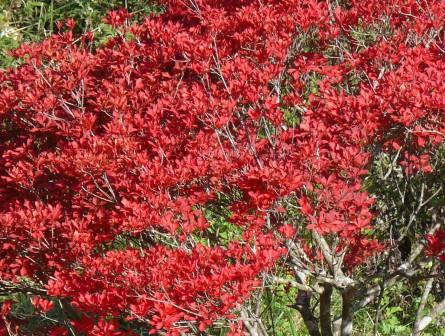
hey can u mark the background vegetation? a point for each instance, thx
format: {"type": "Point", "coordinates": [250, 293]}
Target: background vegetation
{"type": "Point", "coordinates": [31, 21]}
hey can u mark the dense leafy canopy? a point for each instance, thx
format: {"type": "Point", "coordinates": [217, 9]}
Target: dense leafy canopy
{"type": "Point", "coordinates": [152, 182]}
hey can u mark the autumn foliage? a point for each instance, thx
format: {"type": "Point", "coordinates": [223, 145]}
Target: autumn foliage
{"type": "Point", "coordinates": [117, 159]}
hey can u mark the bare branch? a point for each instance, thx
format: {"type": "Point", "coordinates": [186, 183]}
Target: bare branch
{"type": "Point", "coordinates": [438, 309]}
{"type": "Point", "coordinates": [293, 283]}
{"type": "Point", "coordinates": [254, 326]}
{"type": "Point", "coordinates": [423, 301]}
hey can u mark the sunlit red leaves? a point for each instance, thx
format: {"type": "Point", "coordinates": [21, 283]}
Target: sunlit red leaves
{"type": "Point", "coordinates": [117, 17]}
{"type": "Point", "coordinates": [140, 135]}
{"type": "Point", "coordinates": [6, 307]}
{"type": "Point", "coordinates": [360, 249]}
{"type": "Point", "coordinates": [436, 244]}
{"type": "Point", "coordinates": [42, 304]}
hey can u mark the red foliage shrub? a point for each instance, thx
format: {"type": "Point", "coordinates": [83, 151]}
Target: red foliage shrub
{"type": "Point", "coordinates": [136, 139]}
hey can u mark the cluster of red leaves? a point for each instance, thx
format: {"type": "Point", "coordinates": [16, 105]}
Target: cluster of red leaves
{"type": "Point", "coordinates": [138, 136]}
{"type": "Point", "coordinates": [436, 245]}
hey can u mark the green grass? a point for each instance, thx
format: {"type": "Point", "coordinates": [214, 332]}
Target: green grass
{"type": "Point", "coordinates": [31, 21]}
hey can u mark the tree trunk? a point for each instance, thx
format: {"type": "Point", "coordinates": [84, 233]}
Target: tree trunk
{"type": "Point", "coordinates": [347, 311]}
{"type": "Point", "coordinates": [325, 311]}
{"type": "Point", "coordinates": [303, 305]}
